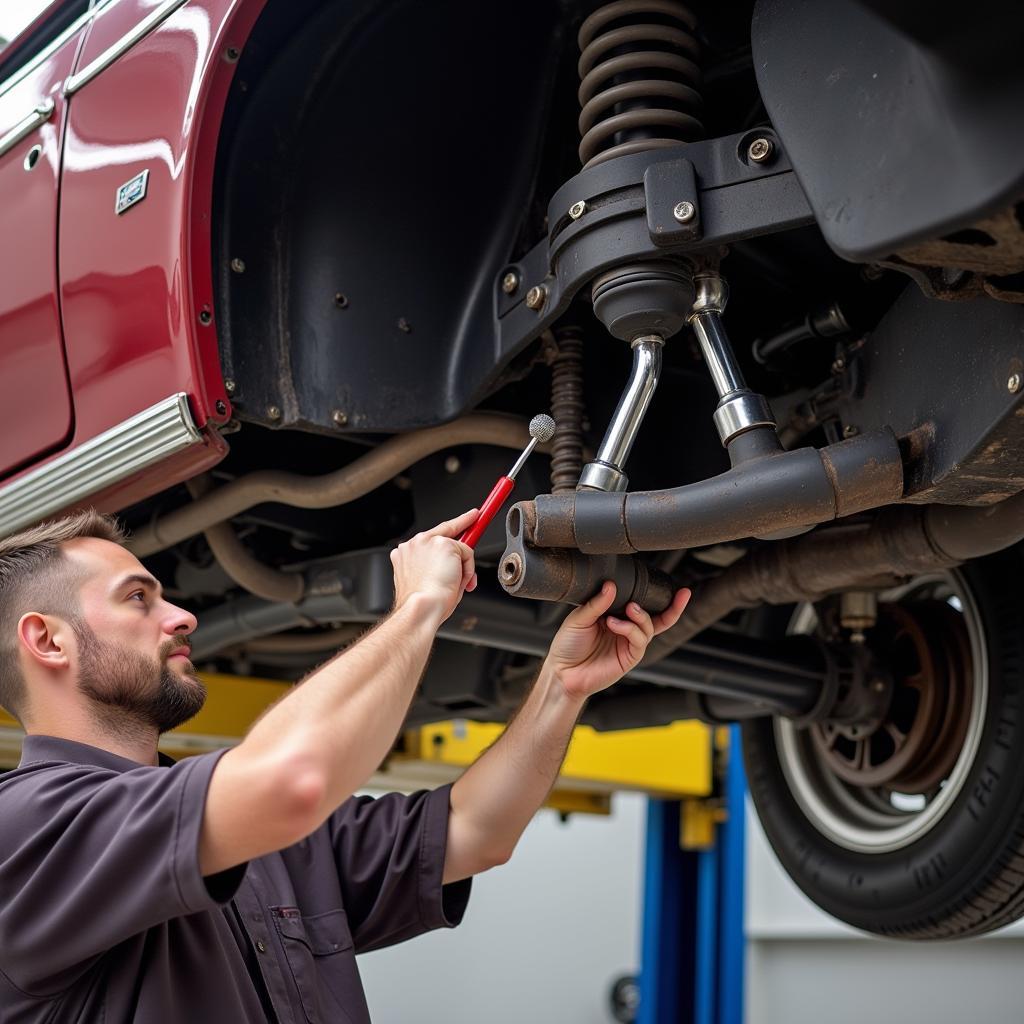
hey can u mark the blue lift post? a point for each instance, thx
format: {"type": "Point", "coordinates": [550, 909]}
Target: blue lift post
{"type": "Point", "coordinates": [692, 943]}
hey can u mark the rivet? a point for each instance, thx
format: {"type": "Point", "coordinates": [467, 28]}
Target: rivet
{"type": "Point", "coordinates": [760, 150]}
{"type": "Point", "coordinates": [684, 212]}
{"type": "Point", "coordinates": [273, 412]}
{"type": "Point", "coordinates": [1013, 384]}
{"type": "Point", "coordinates": [205, 317]}
{"type": "Point", "coordinates": [238, 266]}
{"type": "Point", "coordinates": [510, 282]}
{"type": "Point", "coordinates": [341, 301]}
{"type": "Point", "coordinates": [577, 210]}
{"type": "Point", "coordinates": [339, 418]}
{"type": "Point", "coordinates": [231, 54]}
{"type": "Point", "coordinates": [536, 297]}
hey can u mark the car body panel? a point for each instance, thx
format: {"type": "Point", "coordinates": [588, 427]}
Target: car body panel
{"type": "Point", "coordinates": [34, 392]}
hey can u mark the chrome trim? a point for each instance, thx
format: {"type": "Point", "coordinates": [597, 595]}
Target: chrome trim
{"type": "Point", "coordinates": [122, 46]}
{"type": "Point", "coordinates": [133, 445]}
{"type": "Point", "coordinates": [53, 46]}
{"type": "Point", "coordinates": [27, 125]}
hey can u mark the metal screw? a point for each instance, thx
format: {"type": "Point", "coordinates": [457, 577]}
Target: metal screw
{"type": "Point", "coordinates": [339, 418]}
{"type": "Point", "coordinates": [238, 266]}
{"type": "Point", "coordinates": [205, 316]}
{"type": "Point", "coordinates": [341, 301]}
{"type": "Point", "coordinates": [273, 412]}
{"type": "Point", "coordinates": [760, 150]}
{"type": "Point", "coordinates": [536, 297]}
{"type": "Point", "coordinates": [404, 326]}
{"type": "Point", "coordinates": [850, 430]}
{"type": "Point", "coordinates": [221, 406]}
{"type": "Point", "coordinates": [684, 212]}
{"type": "Point", "coordinates": [229, 386]}
{"type": "Point", "coordinates": [452, 464]}
{"type": "Point", "coordinates": [577, 210]}
{"type": "Point", "coordinates": [1013, 384]}
{"type": "Point", "coordinates": [510, 282]}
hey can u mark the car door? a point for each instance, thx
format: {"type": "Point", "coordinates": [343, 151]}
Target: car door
{"type": "Point", "coordinates": [34, 393]}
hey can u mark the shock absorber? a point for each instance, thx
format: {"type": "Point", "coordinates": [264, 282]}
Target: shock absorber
{"type": "Point", "coordinates": [639, 79]}
{"type": "Point", "coordinates": [638, 91]}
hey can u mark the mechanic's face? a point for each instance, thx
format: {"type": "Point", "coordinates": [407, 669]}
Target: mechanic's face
{"type": "Point", "coordinates": [132, 646]}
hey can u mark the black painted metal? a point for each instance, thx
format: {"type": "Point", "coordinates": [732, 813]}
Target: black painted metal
{"type": "Point", "coordinates": [901, 122]}
{"type": "Point", "coordinates": [941, 375]}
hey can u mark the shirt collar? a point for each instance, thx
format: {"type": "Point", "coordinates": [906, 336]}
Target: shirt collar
{"type": "Point", "coordinates": [53, 748]}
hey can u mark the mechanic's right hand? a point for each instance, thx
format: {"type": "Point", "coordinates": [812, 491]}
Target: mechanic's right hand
{"type": "Point", "coordinates": [434, 565]}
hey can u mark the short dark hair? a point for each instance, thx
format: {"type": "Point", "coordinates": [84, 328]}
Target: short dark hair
{"type": "Point", "coordinates": [34, 576]}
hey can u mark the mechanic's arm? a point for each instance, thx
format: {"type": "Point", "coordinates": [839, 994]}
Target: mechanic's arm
{"type": "Point", "coordinates": [493, 802]}
{"type": "Point", "coordinates": [320, 743]}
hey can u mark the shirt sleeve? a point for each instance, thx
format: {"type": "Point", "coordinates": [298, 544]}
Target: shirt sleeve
{"type": "Point", "coordinates": [91, 857]}
{"type": "Point", "coordinates": [390, 854]}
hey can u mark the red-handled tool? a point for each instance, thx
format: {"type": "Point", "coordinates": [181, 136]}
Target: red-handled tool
{"type": "Point", "coordinates": [542, 428]}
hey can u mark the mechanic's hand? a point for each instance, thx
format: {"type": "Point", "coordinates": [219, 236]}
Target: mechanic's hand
{"type": "Point", "coordinates": [436, 566]}
{"type": "Point", "coordinates": [592, 650]}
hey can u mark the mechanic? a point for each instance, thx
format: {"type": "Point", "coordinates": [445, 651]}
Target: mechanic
{"type": "Point", "coordinates": [237, 886]}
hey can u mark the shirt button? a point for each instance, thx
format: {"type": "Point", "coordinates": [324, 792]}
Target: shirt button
{"type": "Point", "coordinates": [261, 946]}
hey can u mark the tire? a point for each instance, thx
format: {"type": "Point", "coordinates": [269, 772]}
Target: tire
{"type": "Point", "coordinates": [951, 864]}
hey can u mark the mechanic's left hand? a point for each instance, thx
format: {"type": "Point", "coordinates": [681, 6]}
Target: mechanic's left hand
{"type": "Point", "coordinates": [592, 650]}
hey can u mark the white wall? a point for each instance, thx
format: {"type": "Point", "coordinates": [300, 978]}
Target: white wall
{"type": "Point", "coordinates": [543, 938]}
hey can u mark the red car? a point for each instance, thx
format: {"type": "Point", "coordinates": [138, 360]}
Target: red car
{"type": "Point", "coordinates": [284, 280]}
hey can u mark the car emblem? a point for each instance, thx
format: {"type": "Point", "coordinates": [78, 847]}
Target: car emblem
{"type": "Point", "coordinates": [131, 192]}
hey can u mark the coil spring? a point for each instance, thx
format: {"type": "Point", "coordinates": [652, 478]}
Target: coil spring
{"type": "Point", "coordinates": [567, 411]}
{"type": "Point", "coordinates": [624, 108]}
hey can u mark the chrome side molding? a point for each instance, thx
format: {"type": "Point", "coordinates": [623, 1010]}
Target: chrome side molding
{"type": "Point", "coordinates": [133, 445]}
{"type": "Point", "coordinates": [122, 46]}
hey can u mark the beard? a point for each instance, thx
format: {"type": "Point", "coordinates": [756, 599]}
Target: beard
{"type": "Point", "coordinates": [129, 691]}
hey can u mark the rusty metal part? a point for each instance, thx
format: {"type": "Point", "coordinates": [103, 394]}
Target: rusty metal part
{"type": "Point", "coordinates": [343, 485]}
{"type": "Point", "coordinates": [567, 410]}
{"type": "Point", "coordinates": [994, 245]}
{"type": "Point", "coordinates": [915, 744]}
{"type": "Point", "coordinates": [572, 577]}
{"type": "Point", "coordinates": [638, 81]}
{"type": "Point", "coordinates": [899, 543]}
{"type": "Point", "coordinates": [791, 489]}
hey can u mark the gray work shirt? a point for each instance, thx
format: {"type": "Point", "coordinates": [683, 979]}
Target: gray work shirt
{"type": "Point", "coordinates": [105, 917]}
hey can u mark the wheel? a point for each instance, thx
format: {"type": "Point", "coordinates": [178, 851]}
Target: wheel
{"type": "Point", "coordinates": [911, 825]}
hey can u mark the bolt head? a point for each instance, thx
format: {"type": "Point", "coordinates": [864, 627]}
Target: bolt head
{"type": "Point", "coordinates": [338, 418]}
{"type": "Point", "coordinates": [452, 464]}
{"type": "Point", "coordinates": [850, 430]}
{"type": "Point", "coordinates": [878, 685]}
{"type": "Point", "coordinates": [536, 297]}
{"type": "Point", "coordinates": [684, 212]}
{"type": "Point", "coordinates": [238, 266]}
{"type": "Point", "coordinates": [404, 326]}
{"type": "Point", "coordinates": [838, 365]}
{"type": "Point", "coordinates": [221, 406]}
{"type": "Point", "coordinates": [510, 282]}
{"type": "Point", "coordinates": [1014, 383]}
{"type": "Point", "coordinates": [760, 151]}
{"type": "Point", "coordinates": [229, 386]}
{"type": "Point", "coordinates": [577, 210]}
{"type": "Point", "coordinates": [273, 412]}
